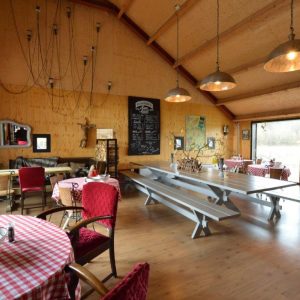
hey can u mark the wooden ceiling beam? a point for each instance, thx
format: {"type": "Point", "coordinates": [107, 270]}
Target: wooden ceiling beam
{"type": "Point", "coordinates": [270, 90]}
{"type": "Point", "coordinates": [100, 4]}
{"type": "Point", "coordinates": [157, 48]}
{"type": "Point", "coordinates": [124, 8]}
{"type": "Point", "coordinates": [263, 13]}
{"type": "Point", "coordinates": [286, 113]}
{"type": "Point", "coordinates": [244, 67]}
{"type": "Point", "coordinates": [183, 9]}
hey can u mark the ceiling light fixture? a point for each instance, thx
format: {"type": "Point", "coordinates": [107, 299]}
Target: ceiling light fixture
{"type": "Point", "coordinates": [218, 81]}
{"type": "Point", "coordinates": [178, 94]}
{"type": "Point", "coordinates": [285, 57]}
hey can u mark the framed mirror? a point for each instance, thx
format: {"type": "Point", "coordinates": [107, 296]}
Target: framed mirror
{"type": "Point", "coordinates": [13, 134]}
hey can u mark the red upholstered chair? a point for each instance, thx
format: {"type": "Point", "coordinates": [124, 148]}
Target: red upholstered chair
{"type": "Point", "coordinates": [32, 179]}
{"type": "Point", "coordinates": [132, 287]}
{"type": "Point", "coordinates": [99, 204]}
{"type": "Point", "coordinates": [98, 199]}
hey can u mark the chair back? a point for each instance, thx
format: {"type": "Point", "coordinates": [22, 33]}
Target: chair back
{"type": "Point", "coordinates": [66, 196]}
{"type": "Point", "coordinates": [259, 161]}
{"type": "Point", "coordinates": [100, 199]}
{"type": "Point", "coordinates": [133, 286]}
{"type": "Point", "coordinates": [32, 177]}
{"type": "Point", "coordinates": [4, 182]}
{"type": "Point", "coordinates": [275, 173]}
{"type": "Point", "coordinates": [55, 179]}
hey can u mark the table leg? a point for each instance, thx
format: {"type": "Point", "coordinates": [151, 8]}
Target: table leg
{"type": "Point", "coordinates": [223, 198]}
{"type": "Point", "coordinates": [275, 208]}
{"type": "Point", "coordinates": [201, 225]}
{"type": "Point", "coordinates": [149, 198]}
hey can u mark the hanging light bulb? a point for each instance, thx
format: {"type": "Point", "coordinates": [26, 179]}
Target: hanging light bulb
{"type": "Point", "coordinates": [285, 57]}
{"type": "Point", "coordinates": [178, 94]}
{"type": "Point", "coordinates": [218, 81]}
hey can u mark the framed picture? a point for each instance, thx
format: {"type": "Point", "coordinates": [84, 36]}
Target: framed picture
{"type": "Point", "coordinates": [245, 134]}
{"type": "Point", "coordinates": [41, 142]}
{"type": "Point", "coordinates": [178, 142]}
{"type": "Point", "coordinates": [211, 143]}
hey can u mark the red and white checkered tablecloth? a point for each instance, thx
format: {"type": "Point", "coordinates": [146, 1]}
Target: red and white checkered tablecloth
{"type": "Point", "coordinates": [80, 181]}
{"type": "Point", "coordinates": [243, 163]}
{"type": "Point", "coordinates": [33, 266]}
{"type": "Point", "coordinates": [261, 170]}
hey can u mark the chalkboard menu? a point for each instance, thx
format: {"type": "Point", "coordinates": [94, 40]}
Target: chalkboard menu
{"type": "Point", "coordinates": [144, 126]}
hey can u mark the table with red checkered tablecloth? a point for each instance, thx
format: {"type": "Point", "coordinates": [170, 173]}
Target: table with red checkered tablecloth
{"type": "Point", "coordinates": [78, 183]}
{"type": "Point", "coordinates": [262, 170]}
{"type": "Point", "coordinates": [242, 163]}
{"type": "Point", "coordinates": [33, 266]}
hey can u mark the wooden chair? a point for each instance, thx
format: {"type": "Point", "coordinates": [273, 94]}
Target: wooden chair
{"type": "Point", "coordinates": [6, 189]}
{"type": "Point", "coordinates": [55, 179]}
{"type": "Point", "coordinates": [133, 286]}
{"type": "Point", "coordinates": [259, 161]}
{"type": "Point", "coordinates": [275, 173]}
{"type": "Point", "coordinates": [32, 180]}
{"type": "Point", "coordinates": [67, 198]}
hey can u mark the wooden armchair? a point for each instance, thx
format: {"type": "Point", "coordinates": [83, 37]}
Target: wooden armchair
{"type": "Point", "coordinates": [99, 202]}
{"type": "Point", "coordinates": [133, 286]}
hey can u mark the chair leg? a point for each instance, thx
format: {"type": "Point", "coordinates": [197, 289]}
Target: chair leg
{"type": "Point", "coordinates": [22, 203]}
{"type": "Point", "coordinates": [44, 200]}
{"type": "Point", "coordinates": [70, 213]}
{"type": "Point", "coordinates": [112, 259]}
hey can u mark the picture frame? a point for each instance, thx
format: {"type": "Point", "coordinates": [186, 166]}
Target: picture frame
{"type": "Point", "coordinates": [211, 143]}
{"type": "Point", "coordinates": [245, 134]}
{"type": "Point", "coordinates": [178, 142]}
{"type": "Point", "coordinates": [41, 142]}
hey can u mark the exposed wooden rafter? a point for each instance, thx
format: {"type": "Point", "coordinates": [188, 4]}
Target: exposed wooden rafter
{"type": "Point", "coordinates": [286, 113]}
{"type": "Point", "coordinates": [247, 66]}
{"type": "Point", "coordinates": [124, 8]}
{"type": "Point", "coordinates": [261, 92]}
{"type": "Point", "coordinates": [267, 11]}
{"type": "Point", "coordinates": [155, 46]}
{"type": "Point", "coordinates": [183, 9]}
{"type": "Point", "coordinates": [101, 4]}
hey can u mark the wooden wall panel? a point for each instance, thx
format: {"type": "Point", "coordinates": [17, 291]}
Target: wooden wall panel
{"type": "Point", "coordinates": [133, 68]}
{"type": "Point", "coordinates": [108, 111]}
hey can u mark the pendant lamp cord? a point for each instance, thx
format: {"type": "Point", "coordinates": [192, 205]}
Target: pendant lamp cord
{"type": "Point", "coordinates": [177, 7]}
{"type": "Point", "coordinates": [218, 37]}
{"type": "Point", "coordinates": [292, 34]}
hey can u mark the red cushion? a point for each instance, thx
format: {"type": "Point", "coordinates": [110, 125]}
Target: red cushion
{"type": "Point", "coordinates": [88, 241]}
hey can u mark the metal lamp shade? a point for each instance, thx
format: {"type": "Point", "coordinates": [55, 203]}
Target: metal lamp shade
{"type": "Point", "coordinates": [178, 95]}
{"type": "Point", "coordinates": [284, 58]}
{"type": "Point", "coordinates": [218, 81]}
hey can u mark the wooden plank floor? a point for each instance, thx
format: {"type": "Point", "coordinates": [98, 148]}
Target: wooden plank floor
{"type": "Point", "coordinates": [245, 258]}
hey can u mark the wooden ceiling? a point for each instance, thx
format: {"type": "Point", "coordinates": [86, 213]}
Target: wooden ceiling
{"type": "Point", "coordinates": [249, 30]}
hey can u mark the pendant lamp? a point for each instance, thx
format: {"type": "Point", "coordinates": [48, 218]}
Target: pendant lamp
{"type": "Point", "coordinates": [285, 57]}
{"type": "Point", "coordinates": [218, 81]}
{"type": "Point", "coordinates": [178, 94]}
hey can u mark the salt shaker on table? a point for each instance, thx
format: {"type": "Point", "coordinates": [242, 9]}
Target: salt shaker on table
{"type": "Point", "coordinates": [11, 232]}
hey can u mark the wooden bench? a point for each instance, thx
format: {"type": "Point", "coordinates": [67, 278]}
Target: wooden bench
{"type": "Point", "coordinates": [289, 193]}
{"type": "Point", "coordinates": [192, 207]}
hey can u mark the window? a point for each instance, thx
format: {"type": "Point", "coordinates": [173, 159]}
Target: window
{"type": "Point", "coordinates": [280, 140]}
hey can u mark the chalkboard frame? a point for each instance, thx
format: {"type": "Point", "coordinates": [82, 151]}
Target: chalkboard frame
{"type": "Point", "coordinates": [152, 110]}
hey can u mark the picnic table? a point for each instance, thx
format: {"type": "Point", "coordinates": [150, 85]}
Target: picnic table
{"type": "Point", "coordinates": [220, 184]}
